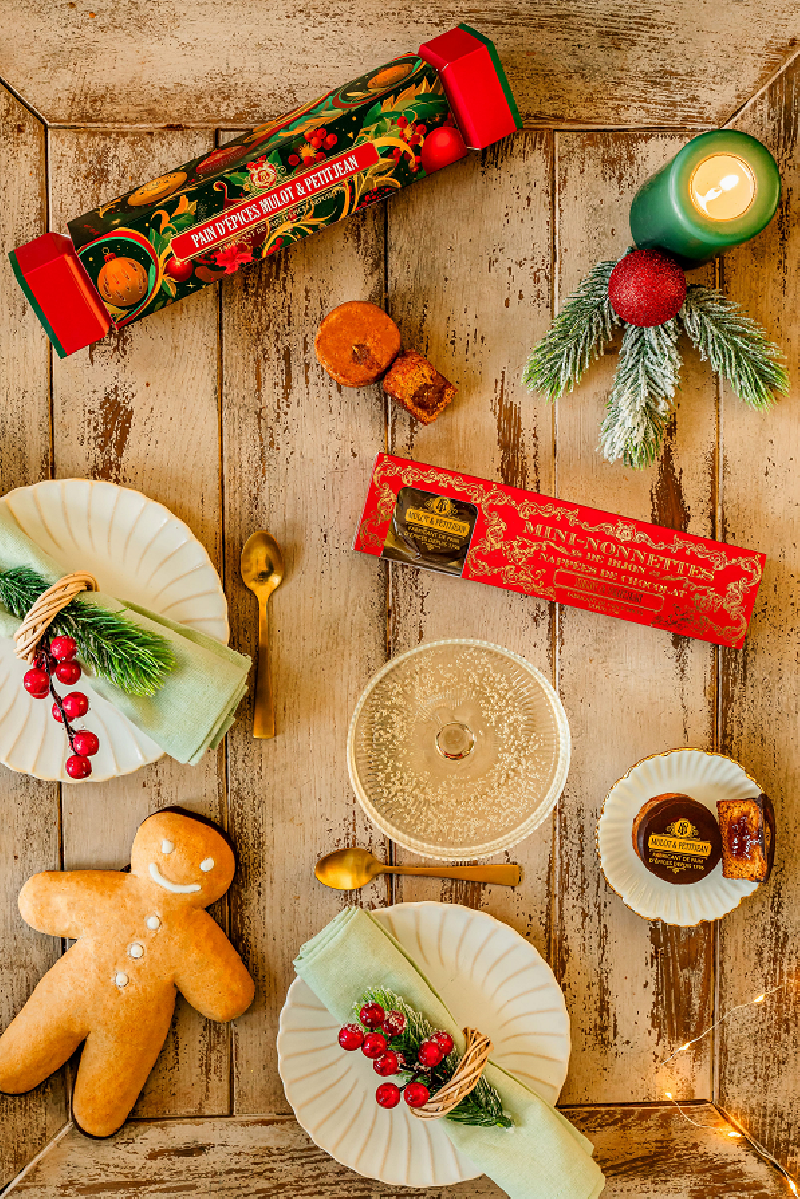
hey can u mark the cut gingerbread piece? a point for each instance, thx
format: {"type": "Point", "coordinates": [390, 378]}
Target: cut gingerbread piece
{"type": "Point", "coordinates": [418, 386]}
{"type": "Point", "coordinates": [356, 343]}
{"type": "Point", "coordinates": [748, 837]}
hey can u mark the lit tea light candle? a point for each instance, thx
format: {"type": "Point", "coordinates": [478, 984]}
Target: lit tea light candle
{"type": "Point", "coordinates": [719, 190]}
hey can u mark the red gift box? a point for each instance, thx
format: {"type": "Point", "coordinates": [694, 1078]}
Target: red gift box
{"type": "Point", "coordinates": [559, 551]}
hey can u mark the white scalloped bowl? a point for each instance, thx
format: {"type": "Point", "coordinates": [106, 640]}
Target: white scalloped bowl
{"type": "Point", "coordinates": [705, 776]}
{"type": "Point", "coordinates": [138, 551]}
{"type": "Point", "coordinates": [491, 978]}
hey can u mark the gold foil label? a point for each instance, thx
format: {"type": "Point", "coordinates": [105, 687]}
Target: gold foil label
{"type": "Point", "coordinates": [678, 848]}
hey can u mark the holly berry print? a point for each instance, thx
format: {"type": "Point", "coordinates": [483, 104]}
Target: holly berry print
{"type": "Point", "coordinates": [135, 248]}
{"type": "Point", "coordinates": [57, 658]}
{"type": "Point", "coordinates": [419, 1060]}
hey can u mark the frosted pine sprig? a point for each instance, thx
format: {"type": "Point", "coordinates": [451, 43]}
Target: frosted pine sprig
{"type": "Point", "coordinates": [578, 335]}
{"type": "Point", "coordinates": [640, 404]}
{"type": "Point", "coordinates": [735, 346]}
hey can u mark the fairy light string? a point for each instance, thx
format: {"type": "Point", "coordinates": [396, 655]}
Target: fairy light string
{"type": "Point", "coordinates": [733, 1134]}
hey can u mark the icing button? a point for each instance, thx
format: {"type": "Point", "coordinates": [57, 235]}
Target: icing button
{"type": "Point", "coordinates": [136, 950]}
{"type": "Point", "coordinates": [167, 846]}
{"type": "Point", "coordinates": [121, 979]}
{"type": "Point", "coordinates": [153, 922]}
{"type": "Point", "coordinates": [207, 864]}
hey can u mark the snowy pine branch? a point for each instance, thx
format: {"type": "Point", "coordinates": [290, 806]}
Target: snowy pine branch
{"type": "Point", "coordinates": [577, 336]}
{"type": "Point", "coordinates": [640, 403]}
{"type": "Point", "coordinates": [735, 346]}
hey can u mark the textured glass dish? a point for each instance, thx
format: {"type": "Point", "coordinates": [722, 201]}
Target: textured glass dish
{"type": "Point", "coordinates": [458, 749]}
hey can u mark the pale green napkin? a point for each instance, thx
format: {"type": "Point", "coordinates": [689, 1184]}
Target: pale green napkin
{"type": "Point", "coordinates": [195, 706]}
{"type": "Point", "coordinates": [542, 1156]}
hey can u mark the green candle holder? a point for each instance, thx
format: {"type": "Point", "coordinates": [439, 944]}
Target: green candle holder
{"type": "Point", "coordinates": [721, 189]}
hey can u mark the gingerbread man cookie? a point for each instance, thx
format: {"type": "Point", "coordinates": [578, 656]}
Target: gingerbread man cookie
{"type": "Point", "coordinates": [140, 937]}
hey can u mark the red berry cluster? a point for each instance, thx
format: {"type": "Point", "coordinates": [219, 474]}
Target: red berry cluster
{"type": "Point", "coordinates": [318, 142]}
{"type": "Point", "coordinates": [414, 134]}
{"type": "Point", "coordinates": [382, 1028]}
{"type": "Point", "coordinates": [58, 658]}
{"type": "Point", "coordinates": [372, 197]}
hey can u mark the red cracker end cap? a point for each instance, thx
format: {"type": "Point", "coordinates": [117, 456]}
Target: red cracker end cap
{"type": "Point", "coordinates": [62, 295]}
{"type": "Point", "coordinates": [475, 85]}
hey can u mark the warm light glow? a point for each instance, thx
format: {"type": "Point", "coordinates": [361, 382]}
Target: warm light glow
{"type": "Point", "coordinates": [734, 1135]}
{"type": "Point", "coordinates": [668, 1094]}
{"type": "Point", "coordinates": [683, 1048]}
{"type": "Point", "coordinates": [793, 1187]}
{"type": "Point", "coordinates": [723, 187]}
{"type": "Point", "coordinates": [759, 999]}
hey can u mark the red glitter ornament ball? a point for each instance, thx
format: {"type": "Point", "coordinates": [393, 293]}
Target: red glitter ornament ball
{"type": "Point", "coordinates": [646, 288]}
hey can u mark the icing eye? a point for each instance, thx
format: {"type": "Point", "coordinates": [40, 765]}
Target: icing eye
{"type": "Point", "coordinates": [207, 864]}
{"type": "Point", "coordinates": [167, 846]}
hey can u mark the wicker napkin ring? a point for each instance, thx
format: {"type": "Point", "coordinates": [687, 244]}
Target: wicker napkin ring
{"type": "Point", "coordinates": [46, 609]}
{"type": "Point", "coordinates": [464, 1080]}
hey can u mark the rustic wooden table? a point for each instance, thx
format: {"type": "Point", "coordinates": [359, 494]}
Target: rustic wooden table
{"type": "Point", "coordinates": [218, 409]}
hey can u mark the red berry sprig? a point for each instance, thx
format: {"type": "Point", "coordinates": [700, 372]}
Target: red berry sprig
{"type": "Point", "coordinates": [57, 659]}
{"type": "Point", "coordinates": [382, 1028]}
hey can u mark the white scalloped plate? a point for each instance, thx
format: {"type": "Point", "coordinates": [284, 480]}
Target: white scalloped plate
{"type": "Point", "coordinates": [491, 978]}
{"type": "Point", "coordinates": [138, 551]}
{"type": "Point", "coordinates": [705, 776]}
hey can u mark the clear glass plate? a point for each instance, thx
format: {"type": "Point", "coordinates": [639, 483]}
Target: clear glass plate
{"type": "Point", "coordinates": [458, 749]}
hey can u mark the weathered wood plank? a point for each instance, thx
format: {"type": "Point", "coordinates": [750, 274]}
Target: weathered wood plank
{"type": "Point", "coordinates": [141, 409]}
{"type": "Point", "coordinates": [597, 63]}
{"type": "Point", "coordinates": [469, 284]}
{"type": "Point", "coordinates": [29, 831]}
{"type": "Point", "coordinates": [634, 989]}
{"type": "Point", "coordinates": [642, 1151]}
{"type": "Point", "coordinates": [297, 452]}
{"type": "Point", "coordinates": [759, 1058]}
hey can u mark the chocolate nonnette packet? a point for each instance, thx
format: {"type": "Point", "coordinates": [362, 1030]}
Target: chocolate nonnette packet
{"type": "Point", "coordinates": [570, 553]}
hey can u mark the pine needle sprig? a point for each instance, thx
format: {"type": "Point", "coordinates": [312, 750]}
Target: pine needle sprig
{"type": "Point", "coordinates": [577, 337]}
{"type": "Point", "coordinates": [640, 404]}
{"type": "Point", "coordinates": [114, 647]}
{"type": "Point", "coordinates": [483, 1106]}
{"type": "Point", "coordinates": [735, 346]}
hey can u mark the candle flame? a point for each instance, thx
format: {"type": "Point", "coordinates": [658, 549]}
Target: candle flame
{"type": "Point", "coordinates": [723, 187]}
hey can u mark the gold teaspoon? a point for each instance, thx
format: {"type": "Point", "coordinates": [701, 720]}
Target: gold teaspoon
{"type": "Point", "coordinates": [262, 572]}
{"type": "Point", "coordinates": [348, 869]}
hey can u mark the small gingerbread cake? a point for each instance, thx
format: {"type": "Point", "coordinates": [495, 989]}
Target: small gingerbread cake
{"type": "Point", "coordinates": [677, 838]}
{"type": "Point", "coordinates": [418, 386]}
{"type": "Point", "coordinates": [748, 837]}
{"type": "Point", "coordinates": [356, 343]}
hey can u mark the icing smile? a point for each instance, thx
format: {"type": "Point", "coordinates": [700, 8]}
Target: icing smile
{"type": "Point", "coordinates": [178, 888]}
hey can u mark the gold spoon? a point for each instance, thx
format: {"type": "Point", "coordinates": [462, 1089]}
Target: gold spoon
{"type": "Point", "coordinates": [262, 572]}
{"type": "Point", "coordinates": [348, 869]}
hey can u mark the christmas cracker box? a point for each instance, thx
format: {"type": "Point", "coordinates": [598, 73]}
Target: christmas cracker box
{"type": "Point", "coordinates": [270, 187]}
{"type": "Point", "coordinates": [457, 524]}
